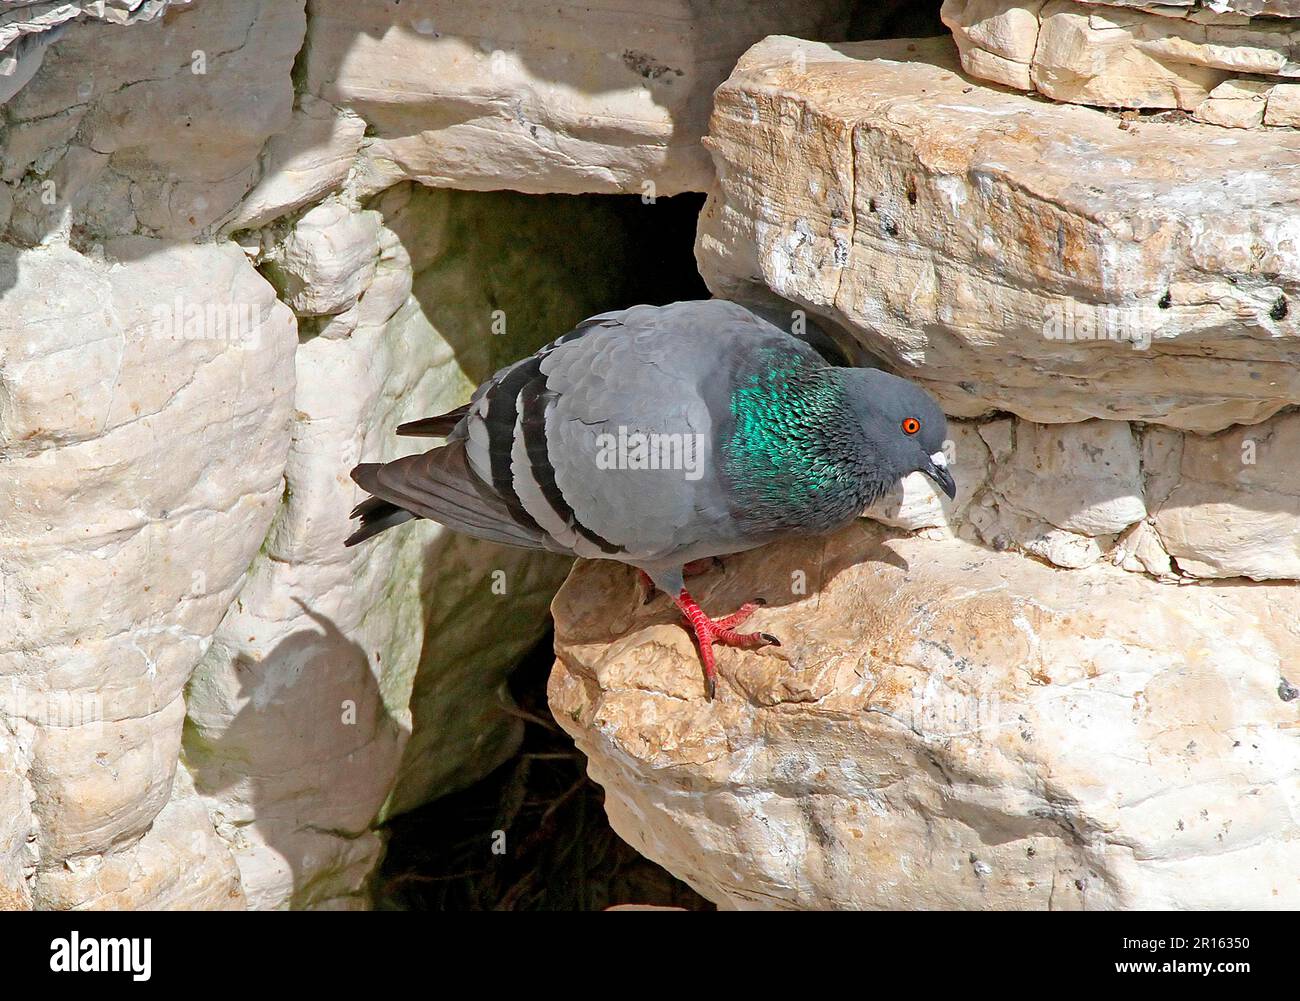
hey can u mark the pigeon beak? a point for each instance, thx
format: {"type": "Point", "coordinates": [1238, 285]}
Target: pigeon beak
{"type": "Point", "coordinates": [937, 470]}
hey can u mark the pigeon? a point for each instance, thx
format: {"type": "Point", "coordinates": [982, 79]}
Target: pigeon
{"type": "Point", "coordinates": [664, 437]}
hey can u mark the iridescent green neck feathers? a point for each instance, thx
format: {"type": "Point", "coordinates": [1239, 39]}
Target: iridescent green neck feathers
{"type": "Point", "coordinates": [793, 454]}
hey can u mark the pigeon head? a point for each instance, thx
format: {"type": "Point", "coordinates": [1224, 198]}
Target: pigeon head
{"type": "Point", "coordinates": [903, 425]}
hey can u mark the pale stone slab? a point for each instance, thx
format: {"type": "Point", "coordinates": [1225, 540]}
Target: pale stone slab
{"type": "Point", "coordinates": [1237, 104]}
{"type": "Point", "coordinates": [1283, 106]}
{"type": "Point", "coordinates": [1123, 55]}
{"type": "Point", "coordinates": [301, 165]}
{"type": "Point", "coordinates": [561, 97]}
{"type": "Point", "coordinates": [997, 40]}
{"type": "Point", "coordinates": [1235, 508]}
{"type": "Point", "coordinates": [945, 727]}
{"type": "Point", "coordinates": [1013, 255]}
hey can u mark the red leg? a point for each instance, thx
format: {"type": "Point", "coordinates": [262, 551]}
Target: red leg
{"type": "Point", "coordinates": [740, 614]}
{"type": "Point", "coordinates": [710, 631]}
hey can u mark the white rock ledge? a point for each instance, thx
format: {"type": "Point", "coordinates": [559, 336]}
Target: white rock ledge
{"type": "Point", "coordinates": [945, 727]}
{"type": "Point", "coordinates": [1011, 254]}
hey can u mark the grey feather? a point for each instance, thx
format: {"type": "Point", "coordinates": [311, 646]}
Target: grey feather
{"type": "Point", "coordinates": [376, 515]}
{"type": "Point", "coordinates": [434, 427]}
{"type": "Point", "coordinates": [527, 459]}
{"type": "Point", "coordinates": [439, 485]}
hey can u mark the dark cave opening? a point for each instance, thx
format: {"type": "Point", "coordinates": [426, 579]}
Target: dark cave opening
{"type": "Point", "coordinates": [555, 849]}
{"type": "Point", "coordinates": [533, 834]}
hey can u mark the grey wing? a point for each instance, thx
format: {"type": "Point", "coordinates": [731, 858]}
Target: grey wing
{"type": "Point", "coordinates": [467, 484]}
{"type": "Point", "coordinates": [506, 447]}
{"type": "Point", "coordinates": [601, 444]}
{"type": "Point", "coordinates": [649, 388]}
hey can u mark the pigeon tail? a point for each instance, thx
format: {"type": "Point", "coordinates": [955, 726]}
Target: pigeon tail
{"type": "Point", "coordinates": [376, 515]}
{"type": "Point", "coordinates": [434, 427]}
{"type": "Point", "coordinates": [440, 486]}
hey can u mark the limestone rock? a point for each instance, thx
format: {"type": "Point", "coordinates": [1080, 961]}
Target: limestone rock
{"type": "Point", "coordinates": [1098, 460]}
{"type": "Point", "coordinates": [179, 864]}
{"type": "Point", "coordinates": [1226, 505]}
{"type": "Point", "coordinates": [1124, 55]}
{"type": "Point", "coordinates": [17, 829]}
{"type": "Point", "coordinates": [1283, 107]}
{"type": "Point", "coordinates": [912, 504]}
{"type": "Point", "coordinates": [138, 485]}
{"type": "Point", "coordinates": [1119, 274]}
{"type": "Point", "coordinates": [1059, 492]}
{"type": "Point", "coordinates": [301, 165]}
{"type": "Point", "coordinates": [327, 261]}
{"type": "Point", "coordinates": [27, 27]}
{"type": "Point", "coordinates": [1210, 11]}
{"type": "Point", "coordinates": [1091, 55]}
{"type": "Point", "coordinates": [1139, 550]}
{"type": "Point", "coordinates": [22, 18]}
{"type": "Point", "coordinates": [1237, 104]}
{"type": "Point", "coordinates": [164, 136]}
{"type": "Point", "coordinates": [997, 40]}
{"type": "Point", "coordinates": [945, 727]}
{"type": "Point", "coordinates": [22, 58]}
{"type": "Point", "coordinates": [565, 97]}
{"type": "Point", "coordinates": [1235, 509]}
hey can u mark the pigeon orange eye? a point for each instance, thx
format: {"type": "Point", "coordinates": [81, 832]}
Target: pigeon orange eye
{"type": "Point", "coordinates": [911, 425]}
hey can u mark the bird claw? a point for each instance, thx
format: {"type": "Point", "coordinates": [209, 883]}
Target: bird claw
{"type": "Point", "coordinates": [728, 623]}
{"type": "Point", "coordinates": [721, 632]}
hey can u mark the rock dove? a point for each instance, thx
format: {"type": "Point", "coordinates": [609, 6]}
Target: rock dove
{"type": "Point", "coordinates": [660, 436]}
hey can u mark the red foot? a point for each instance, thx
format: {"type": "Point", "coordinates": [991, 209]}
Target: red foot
{"type": "Point", "coordinates": [722, 631]}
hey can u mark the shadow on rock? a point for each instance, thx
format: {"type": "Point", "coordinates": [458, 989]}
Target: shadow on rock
{"type": "Point", "coordinates": [303, 766]}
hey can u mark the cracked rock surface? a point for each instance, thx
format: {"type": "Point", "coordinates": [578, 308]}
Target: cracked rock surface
{"type": "Point", "coordinates": [945, 726]}
{"type": "Point", "coordinates": [1009, 253]}
{"type": "Point", "coordinates": [1223, 62]}
{"type": "Point", "coordinates": [1067, 689]}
